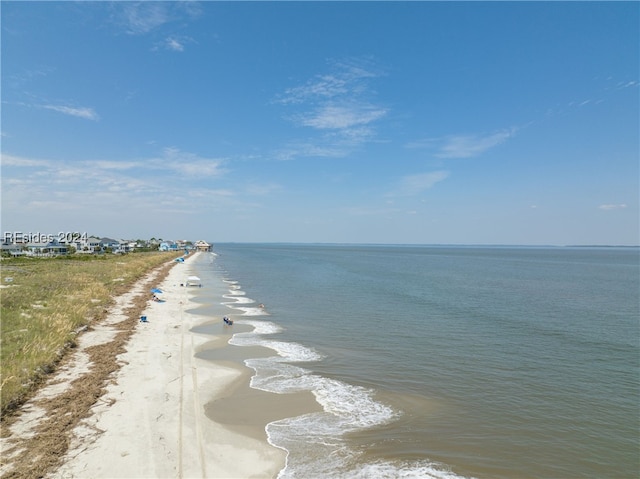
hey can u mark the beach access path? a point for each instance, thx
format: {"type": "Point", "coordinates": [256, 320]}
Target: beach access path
{"type": "Point", "coordinates": [150, 423]}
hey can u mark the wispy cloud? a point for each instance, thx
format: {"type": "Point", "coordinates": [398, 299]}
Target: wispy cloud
{"type": "Point", "coordinates": [620, 85]}
{"type": "Point", "coordinates": [467, 146]}
{"type": "Point", "coordinates": [174, 43]}
{"type": "Point", "coordinates": [341, 116]}
{"type": "Point", "coordinates": [11, 160]}
{"type": "Point", "coordinates": [338, 105]}
{"type": "Point", "coordinates": [162, 192]}
{"type": "Point", "coordinates": [172, 165]}
{"type": "Point", "coordinates": [26, 77]}
{"type": "Point", "coordinates": [610, 207]}
{"type": "Point", "coordinates": [79, 112]}
{"type": "Point", "coordinates": [140, 18]}
{"type": "Point", "coordinates": [174, 178]}
{"type": "Point", "coordinates": [308, 149]}
{"type": "Point", "coordinates": [463, 146]}
{"type": "Point", "coordinates": [190, 164]}
{"type": "Point", "coordinates": [411, 185]}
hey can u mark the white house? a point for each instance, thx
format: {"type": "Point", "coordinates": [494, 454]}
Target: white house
{"type": "Point", "coordinates": [87, 245]}
{"type": "Point", "coordinates": [50, 248]}
{"type": "Point", "coordinates": [202, 245]}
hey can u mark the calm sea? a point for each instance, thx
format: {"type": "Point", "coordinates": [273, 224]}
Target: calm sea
{"type": "Point", "coordinates": [445, 362]}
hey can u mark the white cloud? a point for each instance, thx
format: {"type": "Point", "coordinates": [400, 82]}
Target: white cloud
{"type": "Point", "coordinates": [142, 17]}
{"type": "Point", "coordinates": [342, 116]}
{"type": "Point", "coordinates": [627, 84]}
{"type": "Point", "coordinates": [79, 178]}
{"type": "Point", "coordinates": [311, 149]}
{"type": "Point", "coordinates": [321, 87]}
{"type": "Point", "coordinates": [412, 185]}
{"type": "Point", "coordinates": [174, 43]}
{"type": "Point", "coordinates": [337, 105]}
{"type": "Point", "coordinates": [168, 188]}
{"type": "Point", "coordinates": [348, 78]}
{"type": "Point", "coordinates": [189, 164]}
{"type": "Point", "coordinates": [115, 165]}
{"type": "Point", "coordinates": [80, 112]}
{"type": "Point", "coordinates": [467, 146]}
{"type": "Point", "coordinates": [463, 146]}
{"type": "Point", "coordinates": [10, 160]}
{"type": "Point", "coordinates": [610, 207]}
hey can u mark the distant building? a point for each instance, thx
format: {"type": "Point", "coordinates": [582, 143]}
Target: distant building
{"type": "Point", "coordinates": [12, 249]}
{"type": "Point", "coordinates": [202, 246]}
{"type": "Point", "coordinates": [50, 248]}
{"type": "Point", "coordinates": [87, 245]}
{"type": "Point", "coordinates": [168, 246]}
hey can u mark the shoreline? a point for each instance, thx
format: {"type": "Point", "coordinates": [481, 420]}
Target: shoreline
{"type": "Point", "coordinates": [151, 421]}
{"type": "Point", "coordinates": [159, 395]}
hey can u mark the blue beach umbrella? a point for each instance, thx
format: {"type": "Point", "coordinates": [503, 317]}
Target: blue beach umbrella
{"type": "Point", "coordinates": [156, 290]}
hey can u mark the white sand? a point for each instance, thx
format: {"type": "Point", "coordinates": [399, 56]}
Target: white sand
{"type": "Point", "coordinates": [151, 421]}
{"type": "Point", "coordinates": [156, 427]}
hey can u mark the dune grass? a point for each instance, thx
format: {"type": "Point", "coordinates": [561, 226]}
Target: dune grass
{"type": "Point", "coordinates": [43, 304]}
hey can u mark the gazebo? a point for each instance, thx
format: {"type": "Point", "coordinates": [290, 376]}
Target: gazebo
{"type": "Point", "coordinates": [202, 245]}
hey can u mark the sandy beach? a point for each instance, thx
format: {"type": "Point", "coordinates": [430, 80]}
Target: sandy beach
{"type": "Point", "coordinates": [168, 412]}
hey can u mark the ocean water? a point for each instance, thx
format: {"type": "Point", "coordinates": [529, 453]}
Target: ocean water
{"type": "Point", "coordinates": [444, 362]}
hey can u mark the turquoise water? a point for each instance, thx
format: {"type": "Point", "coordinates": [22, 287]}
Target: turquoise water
{"type": "Point", "coordinates": [446, 361]}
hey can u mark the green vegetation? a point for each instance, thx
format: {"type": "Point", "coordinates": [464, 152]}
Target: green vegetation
{"type": "Point", "coordinates": [44, 302]}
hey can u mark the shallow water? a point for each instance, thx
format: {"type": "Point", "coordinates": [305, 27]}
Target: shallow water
{"type": "Point", "coordinates": [443, 362]}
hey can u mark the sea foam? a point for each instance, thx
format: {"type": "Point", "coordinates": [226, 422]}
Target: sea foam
{"type": "Point", "coordinates": [315, 442]}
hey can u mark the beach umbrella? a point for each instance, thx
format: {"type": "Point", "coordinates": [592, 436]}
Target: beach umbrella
{"type": "Point", "coordinates": [156, 290]}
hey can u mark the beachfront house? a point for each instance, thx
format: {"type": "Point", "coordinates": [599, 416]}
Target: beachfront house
{"type": "Point", "coordinates": [168, 246]}
{"type": "Point", "coordinates": [12, 249]}
{"type": "Point", "coordinates": [112, 245]}
{"type": "Point", "coordinates": [48, 248]}
{"type": "Point", "coordinates": [86, 245]}
{"type": "Point", "coordinates": [202, 246]}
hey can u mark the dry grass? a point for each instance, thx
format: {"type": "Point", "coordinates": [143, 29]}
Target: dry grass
{"type": "Point", "coordinates": [35, 455]}
{"type": "Point", "coordinates": [46, 302]}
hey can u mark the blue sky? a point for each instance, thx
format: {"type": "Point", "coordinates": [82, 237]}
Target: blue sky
{"type": "Point", "coordinates": [363, 122]}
